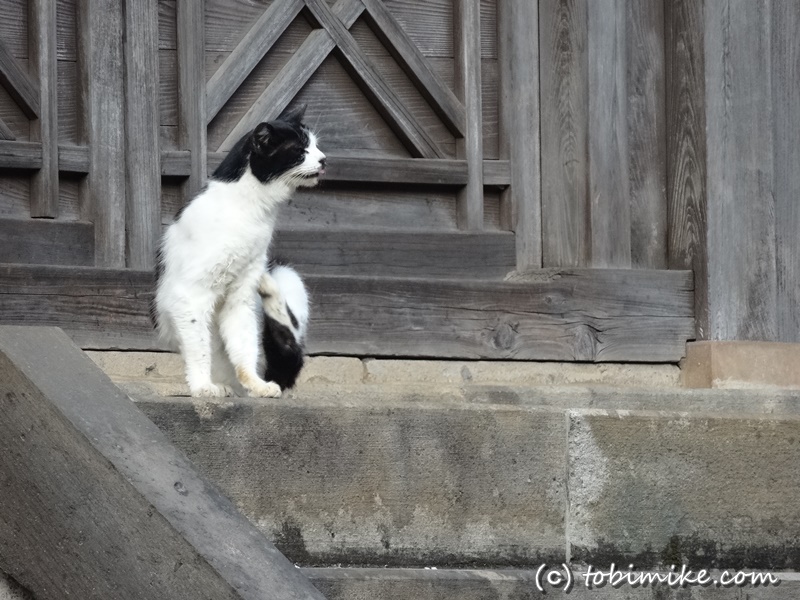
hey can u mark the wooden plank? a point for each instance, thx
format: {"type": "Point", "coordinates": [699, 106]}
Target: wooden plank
{"type": "Point", "coordinates": [565, 167]}
{"type": "Point", "coordinates": [518, 27]}
{"type": "Point", "coordinates": [73, 159]}
{"type": "Point", "coordinates": [99, 504]}
{"type": "Point", "coordinates": [19, 85]}
{"type": "Point", "coordinates": [786, 103]}
{"type": "Point", "coordinates": [20, 155]}
{"type": "Point", "coordinates": [467, 25]}
{"type": "Point", "coordinates": [582, 315]}
{"type": "Point", "coordinates": [741, 174]}
{"type": "Point", "coordinates": [686, 147]}
{"type": "Point", "coordinates": [100, 36]}
{"type": "Point", "coordinates": [191, 83]}
{"type": "Point", "coordinates": [143, 208]}
{"type": "Point", "coordinates": [397, 253]}
{"type": "Point", "coordinates": [6, 133]}
{"type": "Point", "coordinates": [496, 173]}
{"type": "Point", "coordinates": [646, 133]}
{"type": "Point", "coordinates": [407, 53]}
{"type": "Point", "coordinates": [46, 242]}
{"type": "Point", "coordinates": [178, 163]}
{"type": "Point", "coordinates": [44, 69]}
{"type": "Point", "coordinates": [609, 191]}
{"type": "Point", "coordinates": [397, 115]}
{"type": "Point", "coordinates": [248, 53]}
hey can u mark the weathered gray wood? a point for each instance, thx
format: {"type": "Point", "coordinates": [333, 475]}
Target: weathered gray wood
{"type": "Point", "coordinates": [686, 147]}
{"type": "Point", "coordinates": [5, 132]}
{"type": "Point", "coordinates": [566, 238]}
{"type": "Point", "coordinates": [646, 133]}
{"type": "Point", "coordinates": [20, 155]}
{"type": "Point", "coordinates": [518, 34]}
{"type": "Point", "coordinates": [73, 159]}
{"type": "Point", "coordinates": [467, 37]}
{"type": "Point", "coordinates": [741, 203]}
{"type": "Point", "coordinates": [385, 100]}
{"type": "Point", "coordinates": [46, 242]}
{"type": "Point", "coordinates": [99, 504]}
{"type": "Point", "coordinates": [786, 102]}
{"type": "Point", "coordinates": [143, 208]}
{"type": "Point", "coordinates": [247, 54]}
{"type": "Point", "coordinates": [496, 173]}
{"type": "Point", "coordinates": [42, 50]}
{"type": "Point", "coordinates": [407, 53]}
{"type": "Point", "coordinates": [100, 24]}
{"type": "Point", "coordinates": [609, 191]}
{"type": "Point", "coordinates": [294, 74]}
{"type": "Point", "coordinates": [178, 163]}
{"type": "Point", "coordinates": [191, 89]}
{"type": "Point", "coordinates": [397, 254]}
{"type": "Point", "coordinates": [19, 85]}
{"type": "Point", "coordinates": [588, 315]}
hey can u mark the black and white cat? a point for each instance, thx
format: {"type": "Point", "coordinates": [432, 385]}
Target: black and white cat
{"type": "Point", "coordinates": [212, 259]}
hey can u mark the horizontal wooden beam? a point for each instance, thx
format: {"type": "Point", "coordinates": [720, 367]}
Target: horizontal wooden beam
{"type": "Point", "coordinates": [19, 85]}
{"type": "Point", "coordinates": [46, 242]}
{"type": "Point", "coordinates": [73, 159]}
{"type": "Point", "coordinates": [98, 504]}
{"type": "Point", "coordinates": [26, 156]}
{"type": "Point", "coordinates": [397, 253]}
{"type": "Point", "coordinates": [594, 315]}
{"type": "Point", "coordinates": [496, 173]}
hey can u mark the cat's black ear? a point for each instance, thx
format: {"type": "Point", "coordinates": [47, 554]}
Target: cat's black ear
{"type": "Point", "coordinates": [295, 114]}
{"type": "Point", "coordinates": [262, 133]}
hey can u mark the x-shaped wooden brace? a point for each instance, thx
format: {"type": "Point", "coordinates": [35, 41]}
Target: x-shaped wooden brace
{"type": "Point", "coordinates": [334, 34]}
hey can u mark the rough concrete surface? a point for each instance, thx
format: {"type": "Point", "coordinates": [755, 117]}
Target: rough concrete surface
{"type": "Point", "coordinates": [398, 483]}
{"type": "Point", "coordinates": [720, 491]}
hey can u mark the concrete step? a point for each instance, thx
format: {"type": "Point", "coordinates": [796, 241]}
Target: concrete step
{"type": "Point", "coordinates": [423, 584]}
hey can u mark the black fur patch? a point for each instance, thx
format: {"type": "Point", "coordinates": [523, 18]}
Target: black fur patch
{"type": "Point", "coordinates": [283, 352]}
{"type": "Point", "coordinates": [292, 318]}
{"type": "Point", "coordinates": [271, 149]}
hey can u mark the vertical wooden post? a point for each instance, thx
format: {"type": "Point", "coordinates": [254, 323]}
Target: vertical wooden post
{"type": "Point", "coordinates": [100, 30]}
{"type": "Point", "coordinates": [467, 25]}
{"type": "Point", "coordinates": [143, 214]}
{"type": "Point", "coordinates": [44, 67]}
{"type": "Point", "coordinates": [192, 89]}
{"type": "Point", "coordinates": [518, 37]}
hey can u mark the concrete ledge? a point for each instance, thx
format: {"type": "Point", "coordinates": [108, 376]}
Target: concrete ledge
{"type": "Point", "coordinates": [741, 365]}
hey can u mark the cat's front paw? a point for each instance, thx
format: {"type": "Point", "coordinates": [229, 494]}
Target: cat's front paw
{"type": "Point", "coordinates": [211, 390]}
{"type": "Point", "coordinates": [265, 389]}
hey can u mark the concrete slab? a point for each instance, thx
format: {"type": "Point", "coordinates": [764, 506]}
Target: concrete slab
{"type": "Point", "coordinates": [741, 365]}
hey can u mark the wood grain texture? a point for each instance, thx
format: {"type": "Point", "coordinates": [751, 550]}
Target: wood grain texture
{"type": "Point", "coordinates": [467, 26]}
{"type": "Point", "coordinates": [246, 55]}
{"type": "Point", "coordinates": [589, 315]}
{"type": "Point", "coordinates": [686, 147]}
{"type": "Point", "coordinates": [46, 242]}
{"type": "Point", "coordinates": [564, 97]}
{"type": "Point", "coordinates": [786, 102]}
{"type": "Point", "coordinates": [14, 27]}
{"type": "Point", "coordinates": [405, 51]}
{"type": "Point", "coordinates": [73, 159]}
{"type": "Point", "coordinates": [119, 512]}
{"type": "Point", "coordinates": [397, 115]}
{"type": "Point", "coordinates": [103, 91]}
{"type": "Point", "coordinates": [518, 25]}
{"type": "Point", "coordinates": [741, 173]}
{"type": "Point", "coordinates": [609, 192]}
{"type": "Point", "coordinates": [6, 133]}
{"type": "Point", "coordinates": [191, 89]}
{"type": "Point", "coordinates": [22, 88]}
{"type": "Point", "coordinates": [44, 63]}
{"type": "Point", "coordinates": [647, 171]}
{"type": "Point", "coordinates": [496, 173]}
{"type": "Point", "coordinates": [397, 253]}
{"type": "Point", "coordinates": [143, 211]}
{"type": "Point", "coordinates": [20, 155]}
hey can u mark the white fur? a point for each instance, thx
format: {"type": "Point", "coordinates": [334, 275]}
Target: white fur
{"type": "Point", "coordinates": [283, 288]}
{"type": "Point", "coordinates": [213, 258]}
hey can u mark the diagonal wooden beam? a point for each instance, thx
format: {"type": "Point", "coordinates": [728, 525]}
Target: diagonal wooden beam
{"type": "Point", "coordinates": [19, 85]}
{"type": "Point", "coordinates": [400, 119]}
{"type": "Point", "coordinates": [248, 53]}
{"type": "Point", "coordinates": [6, 133]}
{"type": "Point", "coordinates": [294, 74]}
{"type": "Point", "coordinates": [407, 54]}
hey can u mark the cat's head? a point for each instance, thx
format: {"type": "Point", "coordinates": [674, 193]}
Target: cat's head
{"type": "Point", "coordinates": [286, 150]}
